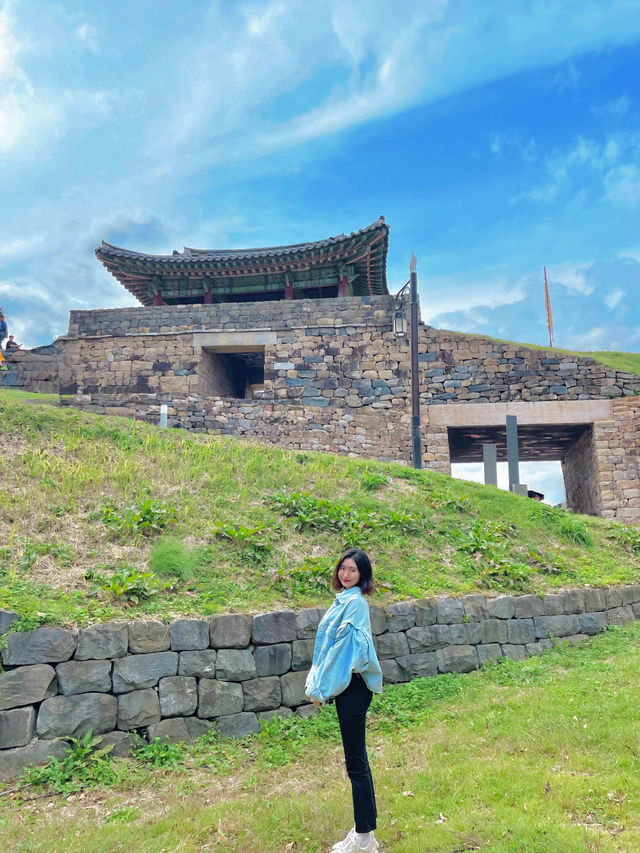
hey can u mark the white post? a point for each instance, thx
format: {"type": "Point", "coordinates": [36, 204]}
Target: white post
{"type": "Point", "coordinates": [163, 415]}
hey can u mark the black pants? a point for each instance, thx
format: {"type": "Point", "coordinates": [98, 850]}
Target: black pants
{"type": "Point", "coordinates": [352, 705]}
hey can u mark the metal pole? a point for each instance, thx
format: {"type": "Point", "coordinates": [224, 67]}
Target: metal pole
{"type": "Point", "coordinates": [512, 451]}
{"type": "Point", "coordinates": [416, 442]}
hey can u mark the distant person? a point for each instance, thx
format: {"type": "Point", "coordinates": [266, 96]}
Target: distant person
{"type": "Point", "coordinates": [4, 329]}
{"type": "Point", "coordinates": [534, 495]}
{"type": "Point", "coordinates": [345, 668]}
{"type": "Point", "coordinates": [12, 345]}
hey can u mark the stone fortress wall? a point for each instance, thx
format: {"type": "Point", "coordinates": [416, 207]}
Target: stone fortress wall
{"type": "Point", "coordinates": [337, 380]}
{"type": "Point", "coordinates": [132, 682]}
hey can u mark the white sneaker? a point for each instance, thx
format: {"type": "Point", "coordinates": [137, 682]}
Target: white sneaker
{"type": "Point", "coordinates": [350, 845]}
{"type": "Point", "coordinates": [341, 846]}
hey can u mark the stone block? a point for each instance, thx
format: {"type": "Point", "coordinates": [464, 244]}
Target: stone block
{"type": "Point", "coordinates": [400, 616]}
{"type": "Point", "coordinates": [273, 660]}
{"type": "Point", "coordinates": [520, 631]}
{"type": "Point", "coordinates": [475, 607]}
{"type": "Point", "coordinates": [307, 622]}
{"type": "Point", "coordinates": [198, 664]}
{"type": "Point", "coordinates": [461, 633]}
{"type": "Point", "coordinates": [84, 676]}
{"type": "Point", "coordinates": [14, 761]}
{"type": "Point", "coordinates": [44, 645]}
{"type": "Point", "coordinates": [281, 712]}
{"type": "Point", "coordinates": [74, 716]}
{"type": "Point", "coordinates": [148, 635]}
{"type": "Point", "coordinates": [630, 594]}
{"type": "Point", "coordinates": [197, 727]}
{"type": "Point", "coordinates": [493, 631]}
{"type": "Point", "coordinates": [292, 686]}
{"type": "Point", "coordinates": [305, 711]}
{"type": "Point", "coordinates": [302, 654]}
{"type": "Point", "coordinates": [219, 698]}
{"type": "Point", "coordinates": [277, 627]}
{"type": "Point", "coordinates": [594, 600]}
{"type": "Point", "coordinates": [428, 638]}
{"type": "Point", "coordinates": [262, 694]}
{"type": "Point", "coordinates": [7, 618]}
{"type": "Point", "coordinates": [533, 649]}
{"type": "Point", "coordinates": [614, 597]}
{"type": "Point", "coordinates": [575, 639]}
{"type": "Point", "coordinates": [235, 665]}
{"type": "Point", "coordinates": [450, 610]}
{"type": "Point", "coordinates": [457, 659]}
{"type": "Point", "coordinates": [106, 640]}
{"type": "Point", "coordinates": [514, 652]}
{"type": "Point", "coordinates": [229, 631]}
{"type": "Point", "coordinates": [189, 634]}
{"type": "Point", "coordinates": [391, 645]}
{"type": "Point", "coordinates": [171, 731]}
{"type": "Point", "coordinates": [393, 672]}
{"type": "Point", "coordinates": [123, 743]}
{"type": "Point", "coordinates": [621, 615]}
{"type": "Point", "coordinates": [238, 725]}
{"type": "Point", "coordinates": [138, 709]}
{"type": "Point", "coordinates": [17, 727]}
{"type": "Point", "coordinates": [527, 606]}
{"type": "Point", "coordinates": [178, 696]}
{"type": "Point", "coordinates": [592, 623]}
{"type": "Point", "coordinates": [27, 685]}
{"type": "Point", "coordinates": [553, 604]}
{"type": "Point", "coordinates": [419, 665]}
{"type": "Point", "coordinates": [426, 610]}
{"type": "Point", "coordinates": [573, 601]}
{"type": "Point", "coordinates": [489, 652]}
{"type": "Point", "coordinates": [501, 607]}
{"type": "Point", "coordinates": [378, 619]}
{"type": "Point", "coordinates": [136, 672]}
{"type": "Point", "coordinates": [556, 626]}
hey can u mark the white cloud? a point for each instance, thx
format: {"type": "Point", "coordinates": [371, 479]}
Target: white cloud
{"type": "Point", "coordinates": [613, 297]}
{"type": "Point", "coordinates": [88, 35]}
{"type": "Point", "coordinates": [616, 109]}
{"type": "Point", "coordinates": [571, 276]}
{"type": "Point", "coordinates": [446, 294]}
{"type": "Point", "coordinates": [622, 185]}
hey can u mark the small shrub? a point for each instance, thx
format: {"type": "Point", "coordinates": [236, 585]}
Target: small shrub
{"type": "Point", "coordinates": [312, 577]}
{"type": "Point", "coordinates": [85, 766]}
{"type": "Point", "coordinates": [172, 558]}
{"type": "Point", "coordinates": [372, 481]}
{"type": "Point", "coordinates": [563, 524]}
{"type": "Point", "coordinates": [627, 536]}
{"type": "Point", "coordinates": [161, 753]}
{"type": "Point", "coordinates": [144, 518]}
{"type": "Point", "coordinates": [252, 540]}
{"type": "Point", "coordinates": [504, 574]}
{"type": "Point", "coordinates": [482, 537]}
{"type": "Point", "coordinates": [131, 584]}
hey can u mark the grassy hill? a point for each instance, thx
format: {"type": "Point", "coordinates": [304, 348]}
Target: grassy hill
{"type": "Point", "coordinates": [104, 517]}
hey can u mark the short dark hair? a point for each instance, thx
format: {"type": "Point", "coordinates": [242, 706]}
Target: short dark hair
{"type": "Point", "coordinates": [363, 563]}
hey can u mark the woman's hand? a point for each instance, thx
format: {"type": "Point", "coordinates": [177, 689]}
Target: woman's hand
{"type": "Point", "coordinates": [316, 703]}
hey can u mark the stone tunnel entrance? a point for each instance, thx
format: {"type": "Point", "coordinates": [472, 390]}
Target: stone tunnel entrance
{"type": "Point", "coordinates": [547, 431]}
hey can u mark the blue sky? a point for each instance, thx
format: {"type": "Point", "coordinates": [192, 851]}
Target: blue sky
{"type": "Point", "coordinates": [494, 137]}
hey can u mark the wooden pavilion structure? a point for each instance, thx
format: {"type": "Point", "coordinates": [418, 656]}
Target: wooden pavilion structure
{"type": "Point", "coordinates": [347, 265]}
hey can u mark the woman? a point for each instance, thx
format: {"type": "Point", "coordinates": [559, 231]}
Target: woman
{"type": "Point", "coordinates": [345, 667]}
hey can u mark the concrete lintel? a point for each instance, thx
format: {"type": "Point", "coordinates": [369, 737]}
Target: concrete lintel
{"type": "Point", "coordinates": [546, 412]}
{"type": "Point", "coordinates": [234, 341]}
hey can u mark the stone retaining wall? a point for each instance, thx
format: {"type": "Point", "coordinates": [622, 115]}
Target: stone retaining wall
{"type": "Point", "coordinates": [32, 370]}
{"type": "Point", "coordinates": [135, 681]}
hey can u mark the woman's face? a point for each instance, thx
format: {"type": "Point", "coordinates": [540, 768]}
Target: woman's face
{"type": "Point", "coordinates": [348, 573]}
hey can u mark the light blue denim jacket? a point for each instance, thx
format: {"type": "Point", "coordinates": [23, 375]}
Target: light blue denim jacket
{"type": "Point", "coordinates": [343, 646]}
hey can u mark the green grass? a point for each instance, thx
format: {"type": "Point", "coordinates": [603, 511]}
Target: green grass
{"type": "Point", "coordinates": [540, 756]}
{"type": "Point", "coordinates": [103, 517]}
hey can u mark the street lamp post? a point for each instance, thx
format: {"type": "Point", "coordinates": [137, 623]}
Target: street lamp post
{"type": "Point", "coordinates": [400, 330]}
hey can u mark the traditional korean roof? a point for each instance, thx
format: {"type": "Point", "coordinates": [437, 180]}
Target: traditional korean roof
{"type": "Point", "coordinates": [312, 269]}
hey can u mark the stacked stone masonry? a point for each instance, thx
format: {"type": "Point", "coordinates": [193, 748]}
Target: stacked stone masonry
{"type": "Point", "coordinates": [133, 682]}
{"type": "Point", "coordinates": [337, 380]}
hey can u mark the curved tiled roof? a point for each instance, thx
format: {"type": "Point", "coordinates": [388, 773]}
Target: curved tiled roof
{"type": "Point", "coordinates": [365, 250]}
